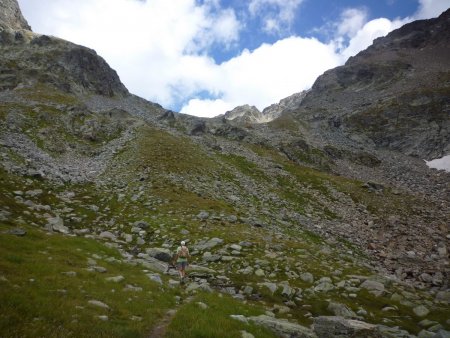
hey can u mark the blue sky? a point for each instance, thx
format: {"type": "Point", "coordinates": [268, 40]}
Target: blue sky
{"type": "Point", "coordinates": [206, 57]}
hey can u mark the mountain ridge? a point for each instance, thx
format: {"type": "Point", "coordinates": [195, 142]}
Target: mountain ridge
{"type": "Point", "coordinates": [417, 90]}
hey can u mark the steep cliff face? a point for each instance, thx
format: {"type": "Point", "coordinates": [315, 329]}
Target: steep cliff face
{"type": "Point", "coordinates": [11, 17]}
{"type": "Point", "coordinates": [395, 94]}
{"type": "Point", "coordinates": [28, 59]}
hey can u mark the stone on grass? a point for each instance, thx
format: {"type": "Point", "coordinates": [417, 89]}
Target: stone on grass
{"type": "Point", "coordinates": [271, 286]}
{"type": "Point", "coordinates": [245, 334]}
{"type": "Point", "coordinates": [133, 288]}
{"type": "Point", "coordinates": [443, 296]}
{"type": "Point", "coordinates": [209, 244]}
{"type": "Point", "coordinates": [247, 290]}
{"type": "Point", "coordinates": [324, 287]}
{"type": "Point", "coordinates": [340, 310]}
{"type": "Point", "coordinates": [98, 303]}
{"type": "Point", "coordinates": [57, 224]}
{"type": "Point", "coordinates": [203, 215]}
{"type": "Point", "coordinates": [208, 257]}
{"type": "Point", "coordinates": [307, 277]}
{"type": "Point", "coordinates": [442, 334]}
{"type": "Point", "coordinates": [246, 271]}
{"type": "Point", "coordinates": [421, 311]}
{"type": "Point", "coordinates": [141, 224]}
{"type": "Point", "coordinates": [236, 247]}
{"type": "Point", "coordinates": [283, 327]}
{"type": "Point", "coordinates": [108, 235]}
{"type": "Point", "coordinates": [100, 269]}
{"type": "Point", "coordinates": [155, 277]}
{"type": "Point", "coordinates": [69, 273]}
{"type": "Point", "coordinates": [161, 254]}
{"type": "Point", "coordinates": [334, 326]}
{"type": "Point", "coordinates": [374, 287]}
{"type": "Point", "coordinates": [241, 318]}
{"type": "Point", "coordinates": [116, 279]}
{"type": "Point", "coordinates": [17, 232]}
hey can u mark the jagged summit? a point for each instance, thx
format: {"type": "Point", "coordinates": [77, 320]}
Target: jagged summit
{"type": "Point", "coordinates": [251, 114]}
{"type": "Point", "coordinates": [11, 16]}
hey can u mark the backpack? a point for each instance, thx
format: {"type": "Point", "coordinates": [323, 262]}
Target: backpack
{"type": "Point", "coordinates": [183, 252]}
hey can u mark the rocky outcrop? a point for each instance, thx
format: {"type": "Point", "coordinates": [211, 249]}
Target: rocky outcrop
{"type": "Point", "coordinates": [244, 114]}
{"type": "Point", "coordinates": [289, 103]}
{"type": "Point", "coordinates": [31, 60]}
{"type": "Point", "coordinates": [393, 95]}
{"type": "Point", "coordinates": [11, 17]}
{"type": "Point", "coordinates": [28, 59]}
{"type": "Point", "coordinates": [250, 114]}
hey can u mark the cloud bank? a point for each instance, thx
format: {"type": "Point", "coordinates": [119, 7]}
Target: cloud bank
{"type": "Point", "coordinates": [164, 50]}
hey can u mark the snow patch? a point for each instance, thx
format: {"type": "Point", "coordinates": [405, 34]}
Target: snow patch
{"type": "Point", "coordinates": [442, 163]}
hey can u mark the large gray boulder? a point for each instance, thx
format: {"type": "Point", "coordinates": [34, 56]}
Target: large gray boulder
{"type": "Point", "coordinates": [162, 254]}
{"type": "Point", "coordinates": [335, 326]}
{"type": "Point", "coordinates": [283, 327]}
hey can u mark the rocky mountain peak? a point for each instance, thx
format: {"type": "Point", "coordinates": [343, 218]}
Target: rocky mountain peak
{"type": "Point", "coordinates": [244, 113]}
{"type": "Point", "coordinates": [28, 59]}
{"type": "Point", "coordinates": [289, 103]}
{"type": "Point", "coordinates": [251, 114]}
{"type": "Point", "coordinates": [393, 95]}
{"type": "Point", "coordinates": [11, 17]}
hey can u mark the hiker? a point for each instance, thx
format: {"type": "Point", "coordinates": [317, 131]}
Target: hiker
{"type": "Point", "coordinates": [182, 259]}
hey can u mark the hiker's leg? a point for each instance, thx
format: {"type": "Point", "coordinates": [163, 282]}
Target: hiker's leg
{"type": "Point", "coordinates": [180, 269]}
{"type": "Point", "coordinates": [183, 269]}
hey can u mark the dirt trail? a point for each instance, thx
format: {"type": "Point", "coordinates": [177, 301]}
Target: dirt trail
{"type": "Point", "coordinates": [160, 329]}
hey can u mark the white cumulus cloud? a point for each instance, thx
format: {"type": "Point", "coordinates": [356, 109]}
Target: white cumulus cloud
{"type": "Point", "coordinates": [267, 74]}
{"type": "Point", "coordinates": [277, 15]}
{"type": "Point", "coordinates": [155, 45]}
{"type": "Point", "coordinates": [431, 8]}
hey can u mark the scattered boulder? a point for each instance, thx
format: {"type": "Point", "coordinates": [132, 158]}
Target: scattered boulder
{"type": "Point", "coordinates": [209, 244]}
{"type": "Point", "coordinates": [155, 277]}
{"type": "Point", "coordinates": [141, 224]}
{"type": "Point", "coordinates": [421, 311]}
{"type": "Point", "coordinates": [98, 303]}
{"type": "Point", "coordinates": [324, 287]}
{"type": "Point", "coordinates": [203, 215]}
{"type": "Point", "coordinates": [108, 235]}
{"type": "Point", "coordinates": [17, 232]}
{"type": "Point", "coordinates": [335, 326]}
{"type": "Point", "coordinates": [283, 327]}
{"type": "Point", "coordinates": [162, 254]}
{"type": "Point", "coordinates": [307, 277]}
{"type": "Point", "coordinates": [116, 279]}
{"type": "Point", "coordinates": [341, 310]}
{"type": "Point", "coordinates": [57, 224]}
{"type": "Point", "coordinates": [271, 286]}
{"type": "Point", "coordinates": [374, 287]}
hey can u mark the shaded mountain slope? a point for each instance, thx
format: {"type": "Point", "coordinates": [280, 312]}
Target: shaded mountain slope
{"type": "Point", "coordinates": [393, 95]}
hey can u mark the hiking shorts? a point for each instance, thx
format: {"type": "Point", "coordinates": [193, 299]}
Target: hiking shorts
{"type": "Point", "coordinates": [182, 265]}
